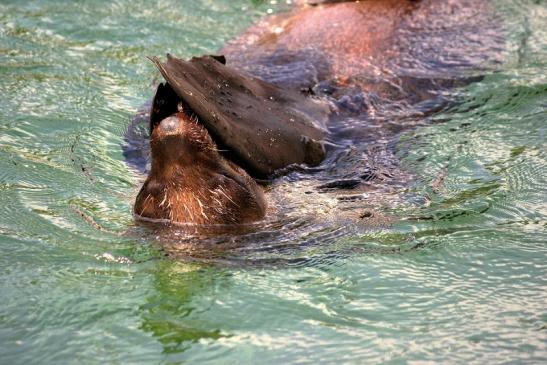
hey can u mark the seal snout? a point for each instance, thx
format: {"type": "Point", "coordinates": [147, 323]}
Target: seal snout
{"type": "Point", "coordinates": [181, 138]}
{"type": "Point", "coordinates": [169, 125]}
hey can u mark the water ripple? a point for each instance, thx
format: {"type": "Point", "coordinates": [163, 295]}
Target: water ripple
{"type": "Point", "coordinates": [425, 242]}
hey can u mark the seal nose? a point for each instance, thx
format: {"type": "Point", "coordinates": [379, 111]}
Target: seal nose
{"type": "Point", "coordinates": [169, 125]}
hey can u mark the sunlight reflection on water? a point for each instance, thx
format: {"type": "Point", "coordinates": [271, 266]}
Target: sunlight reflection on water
{"type": "Point", "coordinates": [443, 261]}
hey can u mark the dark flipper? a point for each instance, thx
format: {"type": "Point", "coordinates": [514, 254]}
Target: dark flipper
{"type": "Point", "coordinates": [266, 127]}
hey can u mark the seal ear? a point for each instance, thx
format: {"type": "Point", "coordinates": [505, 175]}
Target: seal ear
{"type": "Point", "coordinates": [165, 104]}
{"type": "Point", "coordinates": [220, 58]}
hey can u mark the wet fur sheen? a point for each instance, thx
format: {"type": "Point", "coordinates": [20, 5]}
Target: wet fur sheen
{"type": "Point", "coordinates": [190, 182]}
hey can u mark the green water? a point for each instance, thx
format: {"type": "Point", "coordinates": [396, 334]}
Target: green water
{"type": "Point", "coordinates": [460, 277]}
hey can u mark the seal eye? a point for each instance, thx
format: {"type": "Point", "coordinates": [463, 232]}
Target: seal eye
{"type": "Point", "coordinates": [169, 125]}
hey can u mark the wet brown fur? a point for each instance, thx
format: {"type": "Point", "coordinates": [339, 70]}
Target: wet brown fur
{"type": "Point", "coordinates": [348, 34]}
{"type": "Point", "coordinates": [190, 182]}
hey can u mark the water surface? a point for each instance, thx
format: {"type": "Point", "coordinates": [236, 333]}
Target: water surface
{"type": "Point", "coordinates": [449, 267]}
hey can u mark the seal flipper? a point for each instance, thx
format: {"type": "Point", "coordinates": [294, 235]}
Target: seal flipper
{"type": "Point", "coordinates": [265, 126]}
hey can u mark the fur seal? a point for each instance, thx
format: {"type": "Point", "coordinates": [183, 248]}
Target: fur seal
{"type": "Point", "coordinates": [215, 127]}
{"type": "Point", "coordinates": [260, 127]}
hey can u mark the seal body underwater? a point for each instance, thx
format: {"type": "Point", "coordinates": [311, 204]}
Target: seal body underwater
{"type": "Point", "coordinates": [218, 122]}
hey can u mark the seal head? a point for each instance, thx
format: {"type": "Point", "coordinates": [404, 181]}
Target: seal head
{"type": "Point", "coordinates": [191, 182]}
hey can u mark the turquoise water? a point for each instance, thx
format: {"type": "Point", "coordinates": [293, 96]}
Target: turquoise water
{"type": "Point", "coordinates": [457, 273]}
